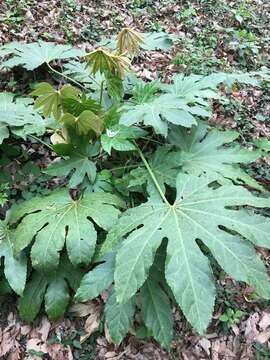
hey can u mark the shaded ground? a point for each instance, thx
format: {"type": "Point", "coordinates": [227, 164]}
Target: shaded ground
{"type": "Point", "coordinates": [213, 35]}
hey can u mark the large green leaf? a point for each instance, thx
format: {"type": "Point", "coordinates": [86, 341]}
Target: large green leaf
{"type": "Point", "coordinates": [15, 269]}
{"type": "Point", "coordinates": [199, 212]}
{"type": "Point", "coordinates": [32, 55]}
{"type": "Point", "coordinates": [52, 288]}
{"type": "Point", "coordinates": [158, 112]}
{"type": "Point", "coordinates": [119, 317]}
{"type": "Point", "coordinates": [204, 152]}
{"type": "Point", "coordinates": [56, 220]}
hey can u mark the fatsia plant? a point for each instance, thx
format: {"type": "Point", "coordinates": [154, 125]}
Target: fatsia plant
{"type": "Point", "coordinates": [121, 143]}
{"type": "Point", "coordinates": [217, 217]}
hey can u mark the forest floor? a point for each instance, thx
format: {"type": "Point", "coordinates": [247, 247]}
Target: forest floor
{"type": "Point", "coordinates": [212, 36]}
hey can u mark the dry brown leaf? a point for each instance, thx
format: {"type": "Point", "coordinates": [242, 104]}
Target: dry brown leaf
{"type": "Point", "coordinates": [265, 321]}
{"type": "Point", "coordinates": [251, 331]}
{"type": "Point", "coordinates": [82, 310]}
{"type": "Point", "coordinates": [91, 324]}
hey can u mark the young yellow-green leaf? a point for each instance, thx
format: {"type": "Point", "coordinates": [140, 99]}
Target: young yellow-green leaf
{"type": "Point", "coordinates": [156, 312]}
{"type": "Point", "coordinates": [56, 220]}
{"type": "Point", "coordinates": [76, 107]}
{"type": "Point", "coordinates": [199, 212]}
{"type": "Point", "coordinates": [203, 152]}
{"type": "Point", "coordinates": [48, 99]}
{"type": "Point", "coordinates": [119, 317]}
{"type": "Point", "coordinates": [105, 62]}
{"type": "Point", "coordinates": [84, 123]}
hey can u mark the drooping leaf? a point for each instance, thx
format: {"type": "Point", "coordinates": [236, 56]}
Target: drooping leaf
{"type": "Point", "coordinates": [199, 212]}
{"type": "Point", "coordinates": [52, 288]}
{"type": "Point", "coordinates": [204, 152]}
{"type": "Point", "coordinates": [76, 107]}
{"type": "Point", "coordinates": [31, 301]}
{"type": "Point", "coordinates": [156, 312]}
{"type": "Point", "coordinates": [129, 41]}
{"type": "Point", "coordinates": [96, 280]}
{"type": "Point", "coordinates": [119, 317]}
{"type": "Point", "coordinates": [106, 62]}
{"type": "Point", "coordinates": [56, 298]}
{"type": "Point", "coordinates": [115, 86]}
{"type": "Point", "coordinates": [15, 269]}
{"type": "Point", "coordinates": [56, 220]}
{"type": "Point", "coordinates": [32, 55]}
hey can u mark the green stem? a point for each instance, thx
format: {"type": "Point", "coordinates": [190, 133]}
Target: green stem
{"type": "Point", "coordinates": [101, 92]}
{"type": "Point", "coordinates": [124, 167]}
{"type": "Point", "coordinates": [152, 174]}
{"type": "Point", "coordinates": [41, 141]}
{"type": "Point", "coordinates": [66, 77]}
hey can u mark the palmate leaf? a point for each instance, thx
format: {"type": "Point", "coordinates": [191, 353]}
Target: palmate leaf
{"type": "Point", "coordinates": [56, 220]}
{"type": "Point", "coordinates": [18, 112]}
{"type": "Point", "coordinates": [53, 289]}
{"type": "Point", "coordinates": [20, 116]}
{"type": "Point", "coordinates": [199, 212]}
{"type": "Point", "coordinates": [79, 164]}
{"type": "Point", "coordinates": [15, 269]}
{"type": "Point", "coordinates": [32, 55]}
{"type": "Point", "coordinates": [158, 112]}
{"type": "Point", "coordinates": [204, 152]}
